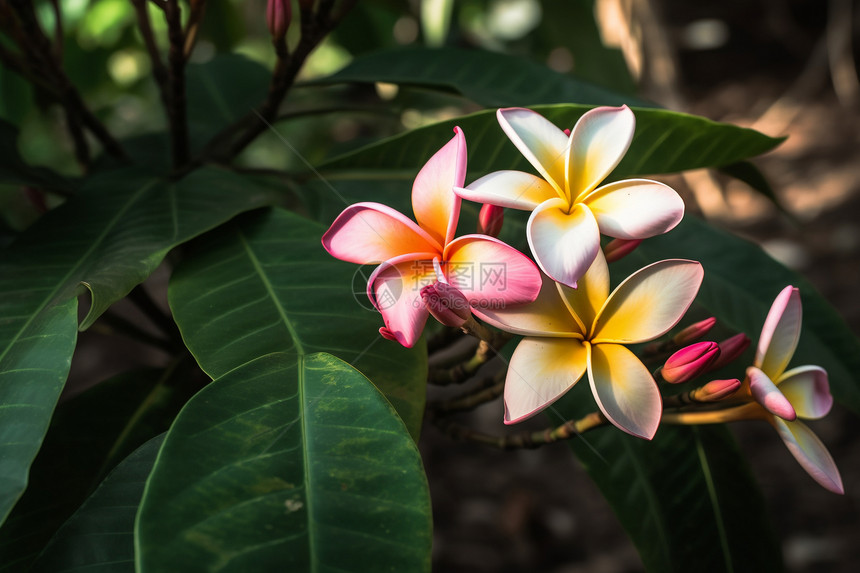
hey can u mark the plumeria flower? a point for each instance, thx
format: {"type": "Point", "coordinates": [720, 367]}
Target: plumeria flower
{"type": "Point", "coordinates": [570, 332]}
{"type": "Point", "coordinates": [569, 210]}
{"type": "Point", "coordinates": [485, 270]}
{"type": "Point", "coordinates": [786, 395]}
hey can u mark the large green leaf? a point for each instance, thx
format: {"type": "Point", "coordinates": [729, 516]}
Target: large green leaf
{"type": "Point", "coordinates": [88, 435]}
{"type": "Point", "coordinates": [665, 142]}
{"type": "Point", "coordinates": [265, 284]}
{"type": "Point", "coordinates": [741, 281]}
{"type": "Point", "coordinates": [488, 78]}
{"type": "Point", "coordinates": [108, 238]}
{"type": "Point", "coordinates": [686, 498]}
{"type": "Point", "coordinates": [99, 537]}
{"type": "Point", "coordinates": [287, 463]}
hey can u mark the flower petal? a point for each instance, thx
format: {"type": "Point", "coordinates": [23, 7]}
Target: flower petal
{"type": "Point", "coordinates": [808, 390]}
{"type": "Point", "coordinates": [597, 143]}
{"type": "Point", "coordinates": [394, 288]}
{"type": "Point", "coordinates": [434, 202]}
{"type": "Point", "coordinates": [491, 274]}
{"type": "Point", "coordinates": [810, 453]}
{"type": "Point", "coordinates": [624, 390]}
{"type": "Point", "coordinates": [514, 189]}
{"type": "Point", "coordinates": [541, 143]}
{"type": "Point", "coordinates": [564, 244]}
{"type": "Point", "coordinates": [371, 233]}
{"type": "Point", "coordinates": [546, 316]}
{"type": "Point", "coordinates": [635, 208]}
{"type": "Point", "coordinates": [590, 293]}
{"type": "Point", "coordinates": [540, 372]}
{"type": "Point", "coordinates": [649, 302]}
{"type": "Point", "coordinates": [765, 392]}
{"type": "Point", "coordinates": [780, 333]}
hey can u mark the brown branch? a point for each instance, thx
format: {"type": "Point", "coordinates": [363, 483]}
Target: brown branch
{"type": "Point", "coordinates": [523, 440]}
{"type": "Point", "coordinates": [198, 7]}
{"type": "Point", "coordinates": [176, 110]}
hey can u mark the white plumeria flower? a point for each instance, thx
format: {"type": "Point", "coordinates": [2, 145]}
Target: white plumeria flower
{"type": "Point", "coordinates": [570, 332]}
{"type": "Point", "coordinates": [786, 395]}
{"type": "Point", "coordinates": [569, 210]}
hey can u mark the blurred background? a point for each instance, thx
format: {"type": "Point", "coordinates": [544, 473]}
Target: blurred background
{"type": "Point", "coordinates": [783, 67]}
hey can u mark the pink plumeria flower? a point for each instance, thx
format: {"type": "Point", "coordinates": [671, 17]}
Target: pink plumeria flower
{"type": "Point", "coordinates": [786, 395]}
{"type": "Point", "coordinates": [570, 332]}
{"type": "Point", "coordinates": [413, 256]}
{"type": "Point", "coordinates": [569, 210]}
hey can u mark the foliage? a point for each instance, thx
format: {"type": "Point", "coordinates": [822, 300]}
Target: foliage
{"type": "Point", "coordinates": [278, 429]}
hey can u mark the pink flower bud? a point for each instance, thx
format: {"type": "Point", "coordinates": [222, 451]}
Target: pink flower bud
{"type": "Point", "coordinates": [447, 304]}
{"type": "Point", "coordinates": [695, 331]}
{"type": "Point", "coordinates": [617, 249]}
{"type": "Point", "coordinates": [278, 16]}
{"type": "Point", "coordinates": [689, 362]}
{"type": "Point", "coordinates": [490, 220]}
{"type": "Point", "coordinates": [731, 348]}
{"type": "Point", "coordinates": [716, 390]}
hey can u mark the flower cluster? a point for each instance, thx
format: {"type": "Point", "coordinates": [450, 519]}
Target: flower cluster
{"type": "Point", "coordinates": [571, 324]}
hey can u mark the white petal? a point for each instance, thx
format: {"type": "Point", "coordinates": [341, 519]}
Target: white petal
{"type": "Point", "coordinates": [564, 244]}
{"type": "Point", "coordinates": [513, 189]}
{"type": "Point", "coordinates": [597, 143]}
{"type": "Point", "coordinates": [635, 208]}
{"type": "Point", "coordinates": [808, 390]}
{"type": "Point", "coordinates": [541, 143]}
{"type": "Point", "coordinates": [810, 453]}
{"type": "Point", "coordinates": [780, 333]}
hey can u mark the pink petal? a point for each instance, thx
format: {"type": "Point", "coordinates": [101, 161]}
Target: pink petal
{"type": "Point", "coordinates": [810, 453]}
{"type": "Point", "coordinates": [649, 302]}
{"type": "Point", "coordinates": [394, 288]}
{"type": "Point", "coordinates": [540, 372]}
{"type": "Point", "coordinates": [371, 233]}
{"type": "Point", "coordinates": [597, 143]}
{"type": "Point", "coordinates": [546, 316]}
{"type": "Point", "coordinates": [624, 390]}
{"type": "Point", "coordinates": [564, 244]}
{"type": "Point", "coordinates": [513, 189]}
{"type": "Point", "coordinates": [635, 208]}
{"type": "Point", "coordinates": [491, 274]}
{"type": "Point", "coordinates": [541, 143]}
{"type": "Point", "coordinates": [780, 333]}
{"type": "Point", "coordinates": [808, 390]}
{"type": "Point", "coordinates": [765, 392]}
{"type": "Point", "coordinates": [436, 206]}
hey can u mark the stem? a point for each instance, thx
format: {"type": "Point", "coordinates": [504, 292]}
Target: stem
{"type": "Point", "coordinates": [524, 440]}
{"type": "Point", "coordinates": [749, 411]}
{"type": "Point", "coordinates": [462, 372]}
{"type": "Point", "coordinates": [176, 110]}
{"type": "Point", "coordinates": [198, 7]}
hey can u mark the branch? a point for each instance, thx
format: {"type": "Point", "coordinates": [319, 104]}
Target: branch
{"type": "Point", "coordinates": [176, 110]}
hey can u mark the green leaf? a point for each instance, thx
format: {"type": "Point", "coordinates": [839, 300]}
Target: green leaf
{"type": "Point", "coordinates": [741, 282]}
{"type": "Point", "coordinates": [108, 239]}
{"type": "Point", "coordinates": [99, 537]}
{"type": "Point", "coordinates": [751, 175]}
{"type": "Point", "coordinates": [687, 498]}
{"type": "Point", "coordinates": [219, 92]}
{"type": "Point", "coordinates": [487, 78]}
{"type": "Point", "coordinates": [288, 463]}
{"type": "Point", "coordinates": [88, 435]}
{"type": "Point", "coordinates": [265, 284]}
{"type": "Point", "coordinates": [665, 142]}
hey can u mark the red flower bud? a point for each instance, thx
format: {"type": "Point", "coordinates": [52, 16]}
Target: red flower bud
{"type": "Point", "coordinates": [617, 249]}
{"type": "Point", "coordinates": [447, 304]}
{"type": "Point", "coordinates": [490, 220]}
{"type": "Point", "coordinates": [695, 331]}
{"type": "Point", "coordinates": [689, 362]}
{"type": "Point", "coordinates": [731, 348]}
{"type": "Point", "coordinates": [278, 16]}
{"type": "Point", "coordinates": [716, 390]}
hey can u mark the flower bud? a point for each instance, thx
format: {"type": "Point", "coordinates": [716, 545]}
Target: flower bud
{"type": "Point", "coordinates": [278, 16]}
{"type": "Point", "coordinates": [716, 390]}
{"type": "Point", "coordinates": [387, 334]}
{"type": "Point", "coordinates": [490, 220]}
{"type": "Point", "coordinates": [689, 362]}
{"type": "Point", "coordinates": [447, 304]}
{"type": "Point", "coordinates": [731, 348]}
{"type": "Point", "coordinates": [695, 331]}
{"type": "Point", "coordinates": [617, 249]}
